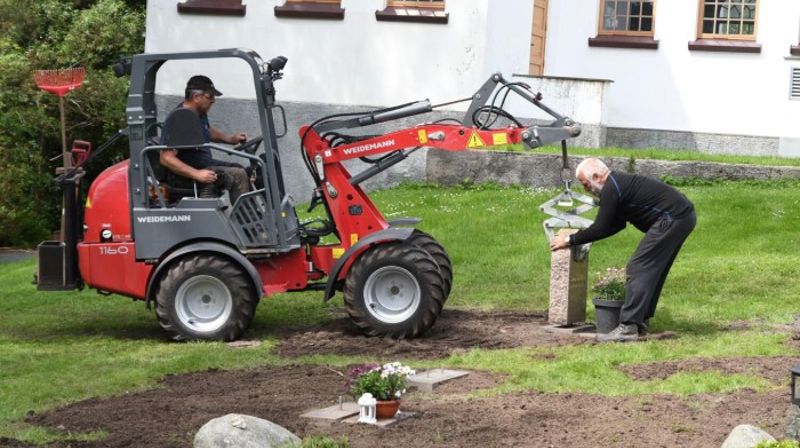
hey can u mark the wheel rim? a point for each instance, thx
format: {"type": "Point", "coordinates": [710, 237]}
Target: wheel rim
{"type": "Point", "coordinates": [392, 294]}
{"type": "Point", "coordinates": [203, 303]}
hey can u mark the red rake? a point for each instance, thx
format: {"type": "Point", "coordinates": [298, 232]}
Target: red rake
{"type": "Point", "coordinates": [60, 82]}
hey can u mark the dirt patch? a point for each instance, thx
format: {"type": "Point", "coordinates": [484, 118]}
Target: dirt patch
{"type": "Point", "coordinates": [454, 331]}
{"type": "Point", "coordinates": [450, 417]}
{"type": "Point", "coordinates": [774, 369]}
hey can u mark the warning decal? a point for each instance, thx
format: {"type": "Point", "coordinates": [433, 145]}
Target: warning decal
{"type": "Point", "coordinates": [499, 138]}
{"type": "Point", "coordinates": [475, 141]}
{"type": "Point", "coordinates": [423, 136]}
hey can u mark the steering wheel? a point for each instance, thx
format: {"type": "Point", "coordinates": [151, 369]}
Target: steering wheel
{"type": "Point", "coordinates": [250, 146]}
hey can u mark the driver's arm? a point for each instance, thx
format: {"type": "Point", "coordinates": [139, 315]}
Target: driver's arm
{"type": "Point", "coordinates": [218, 136]}
{"type": "Point", "coordinates": [169, 159]}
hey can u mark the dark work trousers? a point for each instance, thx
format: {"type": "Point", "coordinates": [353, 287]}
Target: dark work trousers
{"type": "Point", "coordinates": [649, 265]}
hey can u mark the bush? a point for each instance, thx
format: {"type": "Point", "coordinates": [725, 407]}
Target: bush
{"type": "Point", "coordinates": [49, 34]}
{"type": "Point", "coordinates": [786, 443]}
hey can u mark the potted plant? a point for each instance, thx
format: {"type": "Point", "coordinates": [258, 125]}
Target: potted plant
{"type": "Point", "coordinates": [609, 295]}
{"type": "Point", "coordinates": [387, 383]}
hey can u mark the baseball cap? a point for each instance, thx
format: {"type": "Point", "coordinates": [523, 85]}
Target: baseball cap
{"type": "Point", "coordinates": [200, 82]}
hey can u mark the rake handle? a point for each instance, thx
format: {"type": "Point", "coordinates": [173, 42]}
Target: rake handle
{"type": "Point", "coordinates": [67, 160]}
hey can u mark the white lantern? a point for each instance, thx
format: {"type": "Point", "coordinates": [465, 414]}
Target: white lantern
{"type": "Point", "coordinates": [366, 409]}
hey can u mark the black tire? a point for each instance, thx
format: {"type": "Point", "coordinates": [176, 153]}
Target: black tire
{"type": "Point", "coordinates": [395, 290]}
{"type": "Point", "coordinates": [205, 297]}
{"type": "Point", "coordinates": [430, 245]}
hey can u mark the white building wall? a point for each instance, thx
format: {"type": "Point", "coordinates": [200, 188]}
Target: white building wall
{"type": "Point", "coordinates": [355, 61]}
{"type": "Point", "coordinates": [672, 88]}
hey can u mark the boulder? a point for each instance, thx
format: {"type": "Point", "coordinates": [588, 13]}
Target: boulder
{"type": "Point", "coordinates": [746, 436]}
{"type": "Point", "coordinates": [243, 431]}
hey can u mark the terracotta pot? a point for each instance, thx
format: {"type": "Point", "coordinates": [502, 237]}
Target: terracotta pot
{"type": "Point", "coordinates": [386, 408]}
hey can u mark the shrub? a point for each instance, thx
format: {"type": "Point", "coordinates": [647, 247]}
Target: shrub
{"type": "Point", "coordinates": [56, 34]}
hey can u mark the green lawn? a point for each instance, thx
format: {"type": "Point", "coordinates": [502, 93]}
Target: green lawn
{"type": "Point", "coordinates": [671, 154]}
{"type": "Point", "coordinates": [739, 264]}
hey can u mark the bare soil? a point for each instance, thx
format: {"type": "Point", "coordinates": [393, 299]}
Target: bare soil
{"type": "Point", "coordinates": [453, 416]}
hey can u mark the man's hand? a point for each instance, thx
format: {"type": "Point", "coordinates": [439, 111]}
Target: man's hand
{"type": "Point", "coordinates": [239, 137]}
{"type": "Point", "coordinates": [558, 242]}
{"type": "Point", "coordinates": [205, 176]}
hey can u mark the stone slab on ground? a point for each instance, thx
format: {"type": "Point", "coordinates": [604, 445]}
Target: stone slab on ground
{"type": "Point", "coordinates": [568, 286]}
{"type": "Point", "coordinates": [385, 422]}
{"type": "Point", "coordinates": [334, 412]}
{"type": "Point", "coordinates": [430, 379]}
{"type": "Point", "coordinates": [588, 331]}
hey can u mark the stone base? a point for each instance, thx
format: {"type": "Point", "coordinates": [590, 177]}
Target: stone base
{"type": "Point", "coordinates": [334, 412]}
{"type": "Point", "coordinates": [430, 379]}
{"type": "Point", "coordinates": [385, 422]}
{"type": "Point", "coordinates": [588, 331]}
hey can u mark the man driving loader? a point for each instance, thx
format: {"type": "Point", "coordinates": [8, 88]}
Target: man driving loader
{"type": "Point", "coordinates": [188, 125]}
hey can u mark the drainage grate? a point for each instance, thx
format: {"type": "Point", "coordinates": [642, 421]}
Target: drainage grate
{"type": "Point", "coordinates": [794, 88]}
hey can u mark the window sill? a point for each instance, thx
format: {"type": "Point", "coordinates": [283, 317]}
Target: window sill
{"type": "Point", "coordinates": [302, 10]}
{"type": "Point", "coordinates": [640, 42]}
{"type": "Point", "coordinates": [724, 45]}
{"type": "Point", "coordinates": [418, 15]}
{"type": "Point", "coordinates": [213, 7]}
{"type": "Point", "coordinates": [794, 50]}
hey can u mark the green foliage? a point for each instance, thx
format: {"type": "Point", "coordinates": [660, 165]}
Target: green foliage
{"type": "Point", "coordinates": [785, 443]}
{"type": "Point", "coordinates": [52, 34]}
{"type": "Point", "coordinates": [387, 382]}
{"type": "Point", "coordinates": [324, 442]}
{"type": "Point", "coordinates": [610, 285]}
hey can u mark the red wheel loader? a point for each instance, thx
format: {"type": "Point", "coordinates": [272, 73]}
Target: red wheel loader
{"type": "Point", "coordinates": [206, 262]}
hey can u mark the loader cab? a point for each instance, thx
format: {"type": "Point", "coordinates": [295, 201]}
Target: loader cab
{"type": "Point", "coordinates": [262, 221]}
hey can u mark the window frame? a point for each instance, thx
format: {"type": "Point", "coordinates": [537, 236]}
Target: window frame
{"type": "Point", "coordinates": [730, 37]}
{"type": "Point", "coordinates": [310, 9]}
{"type": "Point", "coordinates": [625, 33]}
{"type": "Point", "coordinates": [434, 4]}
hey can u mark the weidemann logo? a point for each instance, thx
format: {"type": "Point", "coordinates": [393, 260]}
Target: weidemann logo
{"type": "Point", "coordinates": [370, 147]}
{"type": "Point", "coordinates": [170, 218]}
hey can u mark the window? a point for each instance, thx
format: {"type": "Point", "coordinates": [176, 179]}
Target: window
{"type": "Point", "coordinates": [311, 9]}
{"type": "Point", "coordinates": [417, 3]}
{"type": "Point", "coordinates": [626, 24]}
{"type": "Point", "coordinates": [627, 18]}
{"type": "Point", "coordinates": [728, 19]}
{"type": "Point", "coordinates": [727, 25]}
{"type": "Point", "coordinates": [424, 11]}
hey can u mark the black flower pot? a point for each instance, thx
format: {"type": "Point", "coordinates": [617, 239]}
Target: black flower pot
{"type": "Point", "coordinates": [606, 314]}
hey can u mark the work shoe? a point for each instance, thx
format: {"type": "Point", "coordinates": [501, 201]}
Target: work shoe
{"type": "Point", "coordinates": [622, 333]}
{"type": "Point", "coordinates": [644, 328]}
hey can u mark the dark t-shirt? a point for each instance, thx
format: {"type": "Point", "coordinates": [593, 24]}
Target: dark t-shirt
{"type": "Point", "coordinates": [633, 198]}
{"type": "Point", "coordinates": [180, 129]}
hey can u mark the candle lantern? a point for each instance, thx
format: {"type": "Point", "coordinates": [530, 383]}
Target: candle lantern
{"type": "Point", "coordinates": [366, 409]}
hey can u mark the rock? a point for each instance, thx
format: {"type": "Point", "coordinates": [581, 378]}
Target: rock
{"type": "Point", "coordinates": [746, 436]}
{"type": "Point", "coordinates": [793, 422]}
{"type": "Point", "coordinates": [243, 431]}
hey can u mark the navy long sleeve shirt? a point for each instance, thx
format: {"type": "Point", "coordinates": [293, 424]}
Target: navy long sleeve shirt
{"type": "Point", "coordinates": [633, 198]}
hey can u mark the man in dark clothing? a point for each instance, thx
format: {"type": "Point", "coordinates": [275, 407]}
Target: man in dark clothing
{"type": "Point", "coordinates": [664, 215]}
{"type": "Point", "coordinates": [189, 165]}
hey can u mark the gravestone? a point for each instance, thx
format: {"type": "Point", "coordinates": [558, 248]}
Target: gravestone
{"type": "Point", "coordinates": [568, 286]}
